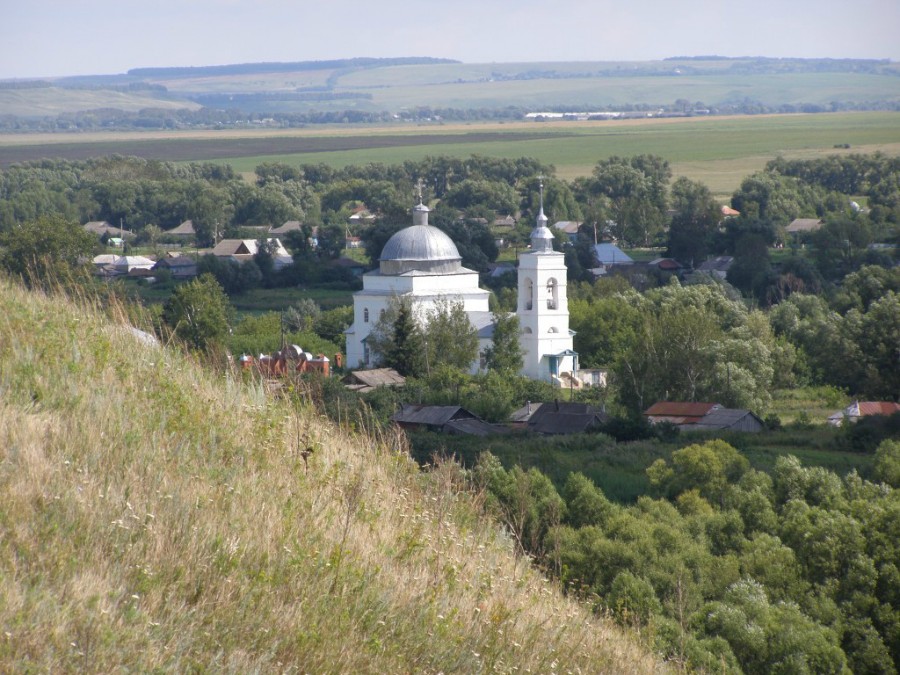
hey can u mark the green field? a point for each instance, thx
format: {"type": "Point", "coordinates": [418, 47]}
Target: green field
{"type": "Point", "coordinates": [719, 151]}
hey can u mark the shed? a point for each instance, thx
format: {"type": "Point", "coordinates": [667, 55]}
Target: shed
{"type": "Point", "coordinates": [429, 417]}
{"type": "Point", "coordinates": [803, 225]}
{"type": "Point", "coordinates": [679, 412]}
{"type": "Point", "coordinates": [365, 381]}
{"type": "Point", "coordinates": [186, 229]}
{"type": "Point", "coordinates": [558, 417]}
{"type": "Point", "coordinates": [727, 419]}
{"type": "Point", "coordinates": [287, 226]}
{"type": "Point", "coordinates": [717, 267]}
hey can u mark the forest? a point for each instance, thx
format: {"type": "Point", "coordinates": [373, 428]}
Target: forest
{"type": "Point", "coordinates": [721, 565]}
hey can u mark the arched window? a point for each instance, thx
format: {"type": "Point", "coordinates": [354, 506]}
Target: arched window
{"type": "Point", "coordinates": [366, 315]}
{"type": "Point", "coordinates": [552, 294]}
{"type": "Point", "coordinates": [527, 331]}
{"type": "Point", "coordinates": [553, 329]}
{"type": "Point", "coordinates": [528, 299]}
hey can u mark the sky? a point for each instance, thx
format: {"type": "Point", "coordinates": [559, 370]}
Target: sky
{"type": "Point", "coordinates": [50, 38]}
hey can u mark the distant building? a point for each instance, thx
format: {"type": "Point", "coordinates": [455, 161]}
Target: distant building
{"type": "Point", "coordinates": [799, 225]}
{"type": "Point", "coordinates": [288, 226]}
{"type": "Point", "coordinates": [716, 267]}
{"type": "Point", "coordinates": [181, 267]}
{"type": "Point", "coordinates": [186, 229]}
{"type": "Point", "coordinates": [690, 416]}
{"type": "Point", "coordinates": [364, 381]}
{"type": "Point", "coordinates": [241, 250]}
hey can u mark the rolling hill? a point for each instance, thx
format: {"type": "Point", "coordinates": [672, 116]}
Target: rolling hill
{"type": "Point", "coordinates": [156, 516]}
{"type": "Point", "coordinates": [394, 85]}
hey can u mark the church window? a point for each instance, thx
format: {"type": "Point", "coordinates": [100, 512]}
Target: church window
{"type": "Point", "coordinates": [528, 298]}
{"type": "Point", "coordinates": [527, 331]}
{"type": "Point", "coordinates": [553, 329]}
{"type": "Point", "coordinates": [552, 294]}
{"type": "Point", "coordinates": [366, 315]}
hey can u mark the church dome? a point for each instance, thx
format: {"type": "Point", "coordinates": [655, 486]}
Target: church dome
{"type": "Point", "coordinates": [421, 248]}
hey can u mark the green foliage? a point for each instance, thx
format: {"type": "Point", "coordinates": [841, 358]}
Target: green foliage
{"type": "Point", "coordinates": [405, 349]}
{"type": "Point", "coordinates": [198, 313]}
{"type": "Point", "coordinates": [505, 353]}
{"type": "Point", "coordinates": [793, 573]}
{"type": "Point", "coordinates": [448, 336]}
{"type": "Point", "coordinates": [707, 467]}
{"type": "Point", "coordinates": [45, 248]}
{"type": "Point", "coordinates": [887, 463]}
{"type": "Point", "coordinates": [772, 638]}
{"type": "Point", "coordinates": [696, 219]}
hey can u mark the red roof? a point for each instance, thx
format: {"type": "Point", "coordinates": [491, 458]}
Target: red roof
{"type": "Point", "coordinates": [681, 408]}
{"type": "Point", "coordinates": [877, 408]}
{"type": "Point", "coordinates": [680, 412]}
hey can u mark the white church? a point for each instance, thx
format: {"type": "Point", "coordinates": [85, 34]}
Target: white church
{"type": "Point", "coordinates": [422, 263]}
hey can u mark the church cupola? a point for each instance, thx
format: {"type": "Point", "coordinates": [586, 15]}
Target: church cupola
{"type": "Point", "coordinates": [420, 211]}
{"type": "Point", "coordinates": [541, 236]}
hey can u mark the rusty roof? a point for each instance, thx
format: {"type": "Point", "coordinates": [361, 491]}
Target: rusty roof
{"type": "Point", "coordinates": [680, 409]}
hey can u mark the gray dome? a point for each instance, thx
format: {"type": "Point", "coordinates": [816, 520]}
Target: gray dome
{"type": "Point", "coordinates": [421, 248]}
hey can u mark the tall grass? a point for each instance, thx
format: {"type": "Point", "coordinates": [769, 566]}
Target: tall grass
{"type": "Point", "coordinates": [156, 516]}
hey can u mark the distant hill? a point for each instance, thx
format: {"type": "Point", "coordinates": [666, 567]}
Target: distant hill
{"type": "Point", "coordinates": [377, 90]}
{"type": "Point", "coordinates": [157, 517]}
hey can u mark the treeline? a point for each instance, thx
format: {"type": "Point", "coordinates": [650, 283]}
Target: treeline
{"type": "Point", "coordinates": [242, 110]}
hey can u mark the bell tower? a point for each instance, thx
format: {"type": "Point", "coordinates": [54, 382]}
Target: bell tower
{"type": "Point", "coordinates": [543, 308]}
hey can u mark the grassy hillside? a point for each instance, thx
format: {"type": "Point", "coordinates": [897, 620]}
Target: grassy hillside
{"type": "Point", "coordinates": [155, 516]}
{"type": "Point", "coordinates": [52, 101]}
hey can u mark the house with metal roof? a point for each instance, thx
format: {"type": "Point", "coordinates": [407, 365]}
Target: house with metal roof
{"type": "Point", "coordinates": [608, 255]}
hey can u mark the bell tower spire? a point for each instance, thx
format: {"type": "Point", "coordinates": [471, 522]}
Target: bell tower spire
{"type": "Point", "coordinates": [541, 236]}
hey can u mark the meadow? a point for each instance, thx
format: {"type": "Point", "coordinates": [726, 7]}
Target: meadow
{"type": "Point", "coordinates": [719, 151]}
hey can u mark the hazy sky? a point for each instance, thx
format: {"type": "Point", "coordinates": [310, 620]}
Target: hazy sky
{"type": "Point", "coordinates": [80, 37]}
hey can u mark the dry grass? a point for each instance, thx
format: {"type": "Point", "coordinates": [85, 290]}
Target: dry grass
{"type": "Point", "coordinates": [155, 516]}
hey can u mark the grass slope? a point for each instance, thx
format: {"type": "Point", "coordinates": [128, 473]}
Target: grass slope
{"type": "Point", "coordinates": [155, 516]}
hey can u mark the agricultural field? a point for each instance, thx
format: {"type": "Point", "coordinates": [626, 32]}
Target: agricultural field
{"type": "Point", "coordinates": [719, 151]}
